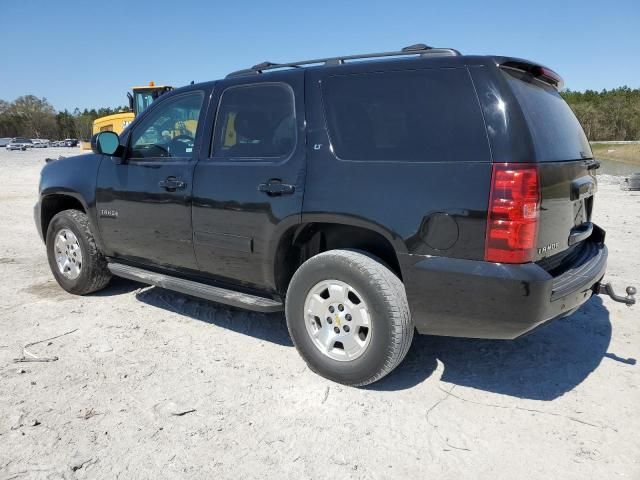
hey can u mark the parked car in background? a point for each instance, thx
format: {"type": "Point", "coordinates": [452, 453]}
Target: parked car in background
{"type": "Point", "coordinates": [5, 141]}
{"type": "Point", "coordinates": [70, 142]}
{"type": "Point", "coordinates": [40, 143]}
{"type": "Point", "coordinates": [19, 143]}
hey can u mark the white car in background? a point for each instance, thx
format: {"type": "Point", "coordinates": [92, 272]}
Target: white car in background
{"type": "Point", "coordinates": [19, 143]}
{"type": "Point", "coordinates": [40, 143]}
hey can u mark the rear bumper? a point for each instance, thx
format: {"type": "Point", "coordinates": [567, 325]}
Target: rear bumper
{"type": "Point", "coordinates": [468, 298]}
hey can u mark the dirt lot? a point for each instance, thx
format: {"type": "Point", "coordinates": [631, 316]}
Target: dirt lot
{"type": "Point", "coordinates": [153, 384]}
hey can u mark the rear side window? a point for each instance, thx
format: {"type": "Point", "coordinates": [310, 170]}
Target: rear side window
{"type": "Point", "coordinates": [255, 121]}
{"type": "Point", "coordinates": [556, 132]}
{"type": "Point", "coordinates": [407, 116]}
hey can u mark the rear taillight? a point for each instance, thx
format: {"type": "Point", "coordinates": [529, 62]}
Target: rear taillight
{"type": "Point", "coordinates": [512, 223]}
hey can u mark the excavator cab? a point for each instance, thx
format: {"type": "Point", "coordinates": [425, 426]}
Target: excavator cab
{"type": "Point", "coordinates": [143, 96]}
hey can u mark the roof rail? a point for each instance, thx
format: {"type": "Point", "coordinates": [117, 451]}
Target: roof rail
{"type": "Point", "coordinates": [417, 49]}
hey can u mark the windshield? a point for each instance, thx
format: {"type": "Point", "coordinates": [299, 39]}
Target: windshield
{"type": "Point", "coordinates": [21, 140]}
{"type": "Point", "coordinates": [142, 101]}
{"type": "Point", "coordinates": [557, 133]}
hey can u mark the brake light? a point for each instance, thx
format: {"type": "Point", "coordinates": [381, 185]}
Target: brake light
{"type": "Point", "coordinates": [514, 204]}
{"type": "Point", "coordinates": [547, 75]}
{"type": "Point", "coordinates": [544, 74]}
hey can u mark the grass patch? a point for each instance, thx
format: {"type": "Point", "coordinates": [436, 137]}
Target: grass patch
{"type": "Point", "coordinates": [629, 153]}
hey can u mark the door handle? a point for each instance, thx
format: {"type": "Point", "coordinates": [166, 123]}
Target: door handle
{"type": "Point", "coordinates": [593, 165]}
{"type": "Point", "coordinates": [171, 184]}
{"type": "Point", "coordinates": [275, 187]}
{"type": "Point", "coordinates": [582, 187]}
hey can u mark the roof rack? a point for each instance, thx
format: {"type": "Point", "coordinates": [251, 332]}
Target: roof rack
{"type": "Point", "coordinates": [417, 49]}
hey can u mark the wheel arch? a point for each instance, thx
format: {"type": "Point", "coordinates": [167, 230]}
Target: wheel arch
{"type": "Point", "coordinates": [53, 203]}
{"type": "Point", "coordinates": [305, 240]}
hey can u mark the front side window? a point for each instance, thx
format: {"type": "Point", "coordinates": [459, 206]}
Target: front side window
{"type": "Point", "coordinates": [255, 121]}
{"type": "Point", "coordinates": [170, 130]}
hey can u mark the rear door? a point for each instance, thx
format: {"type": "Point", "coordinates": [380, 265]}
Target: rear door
{"type": "Point", "coordinates": [565, 162]}
{"type": "Point", "coordinates": [528, 122]}
{"type": "Point", "coordinates": [248, 187]}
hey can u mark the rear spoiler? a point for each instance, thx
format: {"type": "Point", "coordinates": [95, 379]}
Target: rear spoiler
{"type": "Point", "coordinates": [542, 73]}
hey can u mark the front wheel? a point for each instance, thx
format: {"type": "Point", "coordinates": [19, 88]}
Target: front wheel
{"type": "Point", "coordinates": [74, 258]}
{"type": "Point", "coordinates": [348, 317]}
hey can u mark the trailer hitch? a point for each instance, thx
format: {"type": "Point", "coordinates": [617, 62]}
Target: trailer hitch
{"type": "Point", "coordinates": [607, 289]}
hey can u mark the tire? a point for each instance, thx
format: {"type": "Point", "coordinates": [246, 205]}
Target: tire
{"type": "Point", "coordinates": [381, 295]}
{"type": "Point", "coordinates": [92, 272]}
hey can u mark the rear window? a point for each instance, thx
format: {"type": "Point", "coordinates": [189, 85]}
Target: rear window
{"type": "Point", "coordinates": [407, 116]}
{"type": "Point", "coordinates": [557, 134]}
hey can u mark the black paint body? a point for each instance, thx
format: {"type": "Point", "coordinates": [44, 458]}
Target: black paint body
{"type": "Point", "coordinates": [426, 219]}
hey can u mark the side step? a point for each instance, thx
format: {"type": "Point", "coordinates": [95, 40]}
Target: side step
{"type": "Point", "coordinates": [201, 290]}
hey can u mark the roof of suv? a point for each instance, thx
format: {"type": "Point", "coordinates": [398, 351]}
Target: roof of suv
{"type": "Point", "coordinates": [408, 57]}
{"type": "Point", "coordinates": [419, 49]}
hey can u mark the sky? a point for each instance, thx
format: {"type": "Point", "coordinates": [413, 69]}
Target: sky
{"type": "Point", "coordinates": [89, 54]}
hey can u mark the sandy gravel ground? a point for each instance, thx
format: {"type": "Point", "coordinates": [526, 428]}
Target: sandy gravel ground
{"type": "Point", "coordinates": [153, 384]}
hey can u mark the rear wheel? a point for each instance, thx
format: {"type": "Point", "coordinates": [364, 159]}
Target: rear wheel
{"type": "Point", "coordinates": [74, 258]}
{"type": "Point", "coordinates": [348, 317]}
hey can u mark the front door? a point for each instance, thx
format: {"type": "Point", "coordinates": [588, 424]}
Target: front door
{"type": "Point", "coordinates": [144, 202]}
{"type": "Point", "coordinates": [248, 190]}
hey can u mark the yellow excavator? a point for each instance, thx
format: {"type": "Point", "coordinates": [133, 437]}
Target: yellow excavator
{"type": "Point", "coordinates": [139, 99]}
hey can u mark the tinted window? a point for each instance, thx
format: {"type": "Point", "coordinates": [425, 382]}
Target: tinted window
{"type": "Point", "coordinates": [169, 130]}
{"type": "Point", "coordinates": [255, 121]}
{"type": "Point", "coordinates": [414, 116]}
{"type": "Point", "coordinates": [556, 132]}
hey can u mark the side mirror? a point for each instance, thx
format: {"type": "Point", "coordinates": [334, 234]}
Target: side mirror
{"type": "Point", "coordinates": [106, 143]}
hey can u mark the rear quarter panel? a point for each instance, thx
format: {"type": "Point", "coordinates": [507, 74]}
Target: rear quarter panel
{"type": "Point", "coordinates": [429, 208]}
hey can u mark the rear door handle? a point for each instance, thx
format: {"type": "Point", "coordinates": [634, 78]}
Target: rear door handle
{"type": "Point", "coordinates": [593, 165]}
{"type": "Point", "coordinates": [275, 187]}
{"type": "Point", "coordinates": [172, 184]}
{"type": "Point", "coordinates": [582, 187]}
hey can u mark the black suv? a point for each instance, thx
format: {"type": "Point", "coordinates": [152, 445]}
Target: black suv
{"type": "Point", "coordinates": [368, 196]}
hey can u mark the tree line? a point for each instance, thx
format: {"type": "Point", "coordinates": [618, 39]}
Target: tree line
{"type": "Point", "coordinates": [609, 114]}
{"type": "Point", "coordinates": [605, 115]}
{"type": "Point", "coordinates": [32, 117]}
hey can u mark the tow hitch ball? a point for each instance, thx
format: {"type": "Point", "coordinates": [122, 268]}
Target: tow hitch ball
{"type": "Point", "coordinates": [607, 289]}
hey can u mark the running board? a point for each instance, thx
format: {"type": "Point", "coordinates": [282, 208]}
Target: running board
{"type": "Point", "coordinates": [197, 289]}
